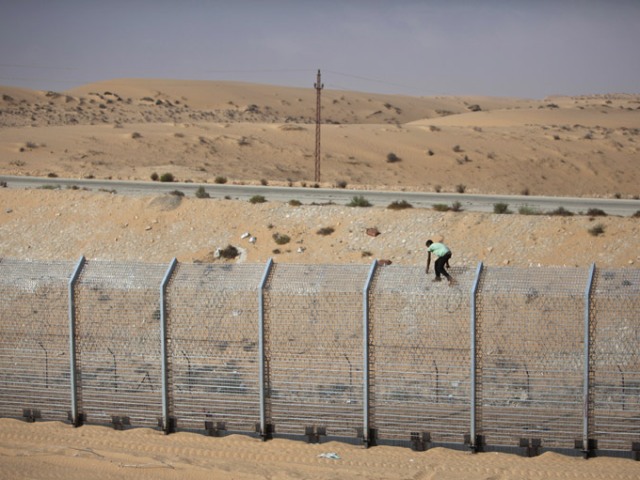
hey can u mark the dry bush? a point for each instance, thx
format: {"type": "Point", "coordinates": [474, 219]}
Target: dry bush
{"type": "Point", "coordinates": [392, 158]}
{"type": "Point", "coordinates": [281, 239]}
{"type": "Point", "coordinates": [399, 205]}
{"type": "Point", "coordinates": [325, 231]}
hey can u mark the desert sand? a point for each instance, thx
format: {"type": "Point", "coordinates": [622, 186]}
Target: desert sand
{"type": "Point", "coordinates": [211, 132]}
{"type": "Point", "coordinates": [52, 450]}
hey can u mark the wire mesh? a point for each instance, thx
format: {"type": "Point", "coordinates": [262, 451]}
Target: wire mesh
{"type": "Point", "coordinates": [530, 349]}
{"type": "Point", "coordinates": [531, 354]}
{"type": "Point", "coordinates": [213, 349]}
{"type": "Point", "coordinates": [314, 344]}
{"type": "Point", "coordinates": [34, 338]}
{"type": "Point", "coordinates": [118, 342]}
{"type": "Point", "coordinates": [420, 355]}
{"type": "Point", "coordinates": [615, 358]}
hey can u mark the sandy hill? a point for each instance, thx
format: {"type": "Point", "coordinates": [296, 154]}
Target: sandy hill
{"type": "Point", "coordinates": [201, 130]}
{"type": "Point", "coordinates": [212, 132]}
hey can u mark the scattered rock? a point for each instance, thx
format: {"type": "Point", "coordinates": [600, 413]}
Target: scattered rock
{"type": "Point", "coordinates": [383, 262]}
{"type": "Point", "coordinates": [373, 232]}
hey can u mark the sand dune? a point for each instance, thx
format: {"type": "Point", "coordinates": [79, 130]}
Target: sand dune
{"type": "Point", "coordinates": [129, 129]}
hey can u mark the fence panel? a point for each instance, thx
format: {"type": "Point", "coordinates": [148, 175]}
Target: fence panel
{"type": "Point", "coordinates": [34, 338]}
{"type": "Point", "coordinates": [529, 350]}
{"type": "Point", "coordinates": [420, 355]}
{"type": "Point", "coordinates": [615, 359]}
{"type": "Point", "coordinates": [118, 342]}
{"type": "Point", "coordinates": [314, 343]}
{"type": "Point", "coordinates": [213, 349]}
{"type": "Point", "coordinates": [531, 355]}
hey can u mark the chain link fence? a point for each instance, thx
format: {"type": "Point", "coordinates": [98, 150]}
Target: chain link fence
{"type": "Point", "coordinates": [518, 358]}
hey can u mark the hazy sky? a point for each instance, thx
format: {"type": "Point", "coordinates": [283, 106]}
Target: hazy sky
{"type": "Point", "coordinates": [496, 47]}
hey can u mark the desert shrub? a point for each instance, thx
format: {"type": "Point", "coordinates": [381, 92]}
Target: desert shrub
{"type": "Point", "coordinates": [52, 175]}
{"type": "Point", "coordinates": [596, 212]}
{"type": "Point", "coordinates": [527, 210]}
{"type": "Point", "coordinates": [341, 184]}
{"type": "Point", "coordinates": [501, 208]}
{"type": "Point", "coordinates": [457, 148]}
{"type": "Point", "coordinates": [460, 188]}
{"type": "Point", "coordinates": [359, 201]}
{"type": "Point", "coordinates": [399, 205]}
{"type": "Point", "coordinates": [636, 215]}
{"type": "Point", "coordinates": [176, 193]}
{"type": "Point", "coordinates": [561, 212]}
{"type": "Point", "coordinates": [229, 252]}
{"type": "Point", "coordinates": [244, 141]}
{"type": "Point", "coordinates": [155, 177]}
{"type": "Point", "coordinates": [220, 179]}
{"type": "Point", "coordinates": [202, 193]}
{"type": "Point", "coordinates": [295, 203]}
{"type": "Point", "coordinates": [441, 207]}
{"type": "Point", "coordinates": [438, 188]}
{"type": "Point", "coordinates": [325, 231]}
{"type": "Point", "coordinates": [456, 207]}
{"type": "Point", "coordinates": [167, 177]}
{"type": "Point", "coordinates": [135, 135]}
{"type": "Point", "coordinates": [392, 158]}
{"type": "Point", "coordinates": [596, 230]}
{"type": "Point", "coordinates": [433, 128]}
{"type": "Point", "coordinates": [430, 153]}
{"type": "Point", "coordinates": [257, 199]}
{"type": "Point", "coordinates": [281, 239]}
{"type": "Point", "coordinates": [525, 192]}
{"type": "Point", "coordinates": [264, 182]}
{"type": "Point", "coordinates": [366, 254]}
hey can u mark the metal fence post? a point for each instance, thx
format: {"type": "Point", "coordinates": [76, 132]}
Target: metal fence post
{"type": "Point", "coordinates": [473, 358]}
{"type": "Point", "coordinates": [586, 446]}
{"type": "Point", "coordinates": [168, 424]}
{"type": "Point", "coordinates": [74, 416]}
{"type": "Point", "coordinates": [261, 352]}
{"type": "Point", "coordinates": [365, 354]}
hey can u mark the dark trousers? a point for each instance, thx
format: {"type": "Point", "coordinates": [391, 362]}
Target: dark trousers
{"type": "Point", "coordinates": [439, 265]}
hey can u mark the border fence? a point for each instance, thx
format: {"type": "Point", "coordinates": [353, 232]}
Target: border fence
{"type": "Point", "coordinates": [525, 359]}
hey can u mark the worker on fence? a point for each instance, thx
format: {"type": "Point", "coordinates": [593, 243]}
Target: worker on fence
{"type": "Point", "coordinates": [444, 254]}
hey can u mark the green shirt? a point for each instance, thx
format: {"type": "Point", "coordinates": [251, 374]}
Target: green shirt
{"type": "Point", "coordinates": [440, 249]}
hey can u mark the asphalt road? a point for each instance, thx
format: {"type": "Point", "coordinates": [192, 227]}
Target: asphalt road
{"type": "Point", "coordinates": [309, 195]}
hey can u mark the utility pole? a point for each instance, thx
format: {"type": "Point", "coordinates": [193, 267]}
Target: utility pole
{"type": "Point", "coordinates": [318, 86]}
